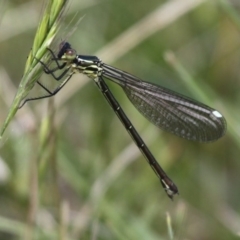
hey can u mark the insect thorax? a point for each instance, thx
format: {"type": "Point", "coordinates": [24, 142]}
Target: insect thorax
{"type": "Point", "coordinates": [91, 68]}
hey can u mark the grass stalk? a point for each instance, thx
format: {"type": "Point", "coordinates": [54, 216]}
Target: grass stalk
{"type": "Point", "coordinates": [46, 32]}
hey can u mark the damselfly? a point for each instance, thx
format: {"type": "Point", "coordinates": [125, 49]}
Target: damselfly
{"type": "Point", "coordinates": [166, 109]}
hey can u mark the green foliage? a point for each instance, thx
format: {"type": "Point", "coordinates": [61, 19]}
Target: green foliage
{"type": "Point", "coordinates": [47, 30]}
{"type": "Point", "coordinates": [68, 170]}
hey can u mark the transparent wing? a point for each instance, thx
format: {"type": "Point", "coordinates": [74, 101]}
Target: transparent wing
{"type": "Point", "coordinates": [169, 110]}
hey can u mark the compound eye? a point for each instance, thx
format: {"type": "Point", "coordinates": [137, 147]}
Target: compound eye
{"type": "Point", "coordinates": [64, 45]}
{"type": "Point", "coordinates": [71, 52]}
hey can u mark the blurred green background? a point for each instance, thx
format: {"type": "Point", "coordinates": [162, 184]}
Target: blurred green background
{"type": "Point", "coordinates": [69, 170]}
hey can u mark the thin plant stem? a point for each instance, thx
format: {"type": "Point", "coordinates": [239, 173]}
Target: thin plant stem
{"type": "Point", "coordinates": [46, 32]}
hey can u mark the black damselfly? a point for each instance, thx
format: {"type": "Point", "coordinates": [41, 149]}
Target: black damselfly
{"type": "Point", "coordinates": [166, 109]}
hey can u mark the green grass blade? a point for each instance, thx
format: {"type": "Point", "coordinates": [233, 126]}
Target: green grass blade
{"type": "Point", "coordinates": [46, 32]}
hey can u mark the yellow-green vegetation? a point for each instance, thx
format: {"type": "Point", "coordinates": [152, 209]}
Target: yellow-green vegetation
{"type": "Point", "coordinates": [68, 168]}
